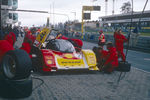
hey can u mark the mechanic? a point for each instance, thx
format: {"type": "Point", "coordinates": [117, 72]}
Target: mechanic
{"type": "Point", "coordinates": [29, 36]}
{"type": "Point", "coordinates": [77, 43]}
{"type": "Point", "coordinates": [27, 47]}
{"type": "Point", "coordinates": [116, 31]}
{"type": "Point", "coordinates": [119, 41]}
{"type": "Point", "coordinates": [7, 44]}
{"type": "Point", "coordinates": [112, 59]}
{"type": "Point", "coordinates": [102, 56]}
{"type": "Point", "coordinates": [101, 39]}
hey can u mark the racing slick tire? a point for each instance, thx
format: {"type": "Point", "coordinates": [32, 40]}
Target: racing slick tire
{"type": "Point", "coordinates": [16, 65]}
{"type": "Point", "coordinates": [14, 89]}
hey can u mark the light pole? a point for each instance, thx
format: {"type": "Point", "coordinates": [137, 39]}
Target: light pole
{"type": "Point", "coordinates": [74, 15]}
{"type": "Point", "coordinates": [60, 14]}
{"type": "Point", "coordinates": [0, 19]}
{"type": "Point", "coordinates": [113, 11]}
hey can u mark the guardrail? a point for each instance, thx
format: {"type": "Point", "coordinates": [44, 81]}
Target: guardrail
{"type": "Point", "coordinates": [143, 43]}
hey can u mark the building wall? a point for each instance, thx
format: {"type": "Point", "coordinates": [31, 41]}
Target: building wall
{"type": "Point", "coordinates": [9, 17]}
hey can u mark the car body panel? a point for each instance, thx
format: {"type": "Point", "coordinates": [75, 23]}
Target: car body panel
{"type": "Point", "coordinates": [60, 60]}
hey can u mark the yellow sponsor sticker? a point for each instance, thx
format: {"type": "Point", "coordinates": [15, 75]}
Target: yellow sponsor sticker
{"type": "Point", "coordinates": [71, 62]}
{"type": "Point", "coordinates": [43, 35]}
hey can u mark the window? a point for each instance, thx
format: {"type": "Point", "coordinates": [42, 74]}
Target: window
{"type": "Point", "coordinates": [15, 16]}
{"type": "Point", "coordinates": [60, 45]}
{"type": "Point", "coordinates": [10, 15]}
{"type": "Point", "coordinates": [4, 2]}
{"type": "Point", "coordinates": [9, 2]}
{"type": "Point", "coordinates": [15, 3]}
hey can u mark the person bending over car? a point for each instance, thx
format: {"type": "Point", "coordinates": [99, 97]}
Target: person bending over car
{"type": "Point", "coordinates": [102, 55]}
{"type": "Point", "coordinates": [112, 59]}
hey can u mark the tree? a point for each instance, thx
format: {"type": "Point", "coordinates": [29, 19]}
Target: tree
{"type": "Point", "coordinates": [126, 7]}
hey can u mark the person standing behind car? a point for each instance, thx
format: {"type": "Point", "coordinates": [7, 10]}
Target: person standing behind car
{"type": "Point", "coordinates": [134, 37]}
{"type": "Point", "coordinates": [120, 39]}
{"type": "Point", "coordinates": [101, 39]}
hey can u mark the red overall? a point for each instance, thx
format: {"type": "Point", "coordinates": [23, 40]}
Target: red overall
{"type": "Point", "coordinates": [26, 47]}
{"type": "Point", "coordinates": [103, 54]}
{"type": "Point", "coordinates": [112, 59]}
{"type": "Point", "coordinates": [119, 40]}
{"type": "Point", "coordinates": [7, 44]}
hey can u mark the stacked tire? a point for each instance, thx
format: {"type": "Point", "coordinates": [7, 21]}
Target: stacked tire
{"type": "Point", "coordinates": [15, 70]}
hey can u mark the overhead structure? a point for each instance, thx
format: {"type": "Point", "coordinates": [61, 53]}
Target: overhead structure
{"type": "Point", "coordinates": [87, 16]}
{"type": "Point", "coordinates": [106, 6]}
{"type": "Point", "coordinates": [113, 10]}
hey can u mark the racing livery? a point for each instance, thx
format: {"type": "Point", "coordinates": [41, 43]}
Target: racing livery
{"type": "Point", "coordinates": [58, 54]}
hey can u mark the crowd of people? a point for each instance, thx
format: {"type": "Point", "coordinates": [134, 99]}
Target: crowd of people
{"type": "Point", "coordinates": [108, 59]}
{"type": "Point", "coordinates": [10, 35]}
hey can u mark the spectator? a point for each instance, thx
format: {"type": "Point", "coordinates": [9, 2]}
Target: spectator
{"type": "Point", "coordinates": [16, 31]}
{"type": "Point", "coordinates": [134, 37]}
{"type": "Point", "coordinates": [119, 41]}
{"type": "Point", "coordinates": [21, 31]}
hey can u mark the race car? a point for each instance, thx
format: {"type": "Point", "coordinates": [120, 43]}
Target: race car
{"type": "Point", "coordinates": [50, 54]}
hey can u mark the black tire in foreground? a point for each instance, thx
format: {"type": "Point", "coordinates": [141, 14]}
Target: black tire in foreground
{"type": "Point", "coordinates": [16, 65]}
{"type": "Point", "coordinates": [14, 89]}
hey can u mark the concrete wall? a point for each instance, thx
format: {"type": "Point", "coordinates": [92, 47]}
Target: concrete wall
{"type": "Point", "coordinates": [143, 43]}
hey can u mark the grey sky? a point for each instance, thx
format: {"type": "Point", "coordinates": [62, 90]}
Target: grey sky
{"type": "Point", "coordinates": [67, 7]}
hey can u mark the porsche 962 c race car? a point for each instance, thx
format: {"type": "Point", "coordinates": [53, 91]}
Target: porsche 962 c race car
{"type": "Point", "coordinates": [50, 54]}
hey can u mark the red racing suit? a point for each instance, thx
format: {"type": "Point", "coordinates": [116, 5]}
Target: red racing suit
{"type": "Point", "coordinates": [26, 47]}
{"type": "Point", "coordinates": [103, 55]}
{"type": "Point", "coordinates": [119, 40]}
{"type": "Point", "coordinates": [7, 44]}
{"type": "Point", "coordinates": [112, 59]}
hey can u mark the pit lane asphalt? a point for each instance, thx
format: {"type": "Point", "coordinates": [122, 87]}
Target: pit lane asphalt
{"type": "Point", "coordinates": [137, 59]}
{"type": "Point", "coordinates": [93, 86]}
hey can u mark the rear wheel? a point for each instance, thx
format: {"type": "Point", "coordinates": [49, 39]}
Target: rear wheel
{"type": "Point", "coordinates": [16, 65]}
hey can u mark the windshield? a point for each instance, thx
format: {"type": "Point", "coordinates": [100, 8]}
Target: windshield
{"type": "Point", "coordinates": [60, 45]}
{"type": "Point", "coordinates": [52, 35]}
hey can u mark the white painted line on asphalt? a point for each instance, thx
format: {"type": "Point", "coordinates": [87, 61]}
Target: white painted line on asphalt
{"type": "Point", "coordinates": [141, 70]}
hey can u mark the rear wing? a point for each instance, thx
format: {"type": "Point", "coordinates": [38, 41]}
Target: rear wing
{"type": "Point", "coordinates": [41, 37]}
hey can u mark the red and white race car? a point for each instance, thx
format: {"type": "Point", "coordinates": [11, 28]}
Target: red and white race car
{"type": "Point", "coordinates": [58, 54]}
